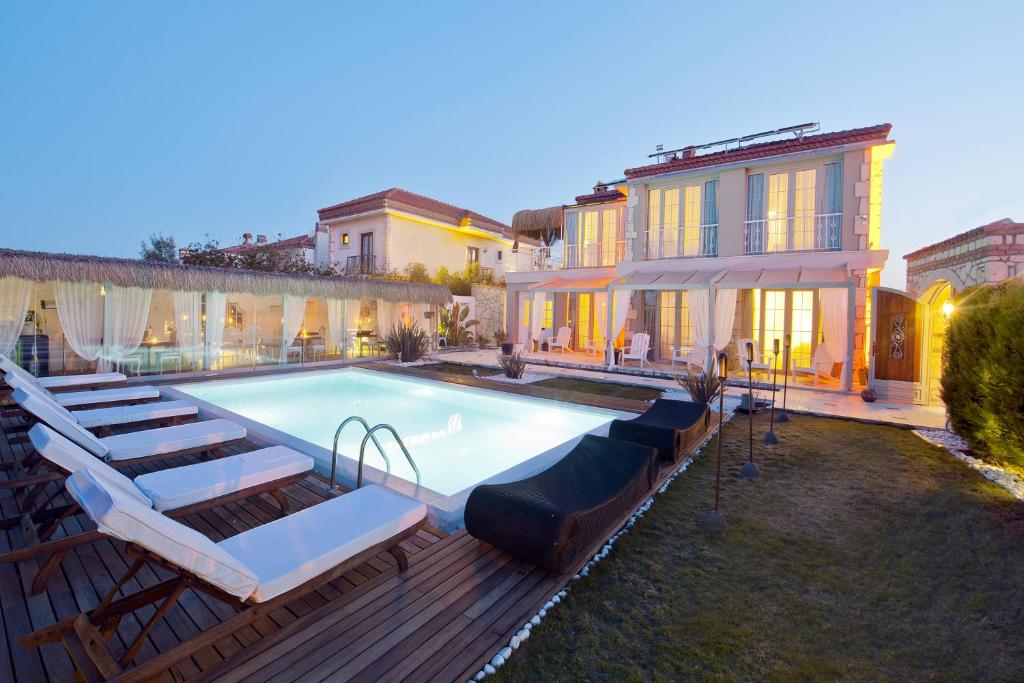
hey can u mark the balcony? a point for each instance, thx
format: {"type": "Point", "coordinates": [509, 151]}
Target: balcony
{"type": "Point", "coordinates": [820, 232]}
{"type": "Point", "coordinates": [561, 256]}
{"type": "Point", "coordinates": [361, 265]}
{"type": "Point", "coordinates": [682, 242]}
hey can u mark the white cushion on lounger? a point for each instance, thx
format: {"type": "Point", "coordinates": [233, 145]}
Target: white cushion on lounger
{"type": "Point", "coordinates": [292, 550]}
{"type": "Point", "coordinates": [72, 457]}
{"type": "Point", "coordinates": [170, 439]}
{"type": "Point", "coordinates": [80, 380]}
{"type": "Point", "coordinates": [84, 398]}
{"type": "Point", "coordinates": [181, 486]}
{"type": "Point", "coordinates": [120, 516]}
{"type": "Point", "coordinates": [60, 419]}
{"type": "Point", "coordinates": [119, 415]}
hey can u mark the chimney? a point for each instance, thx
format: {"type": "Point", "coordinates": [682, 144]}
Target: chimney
{"type": "Point", "coordinates": [261, 239]}
{"type": "Point", "coordinates": [689, 153]}
{"type": "Point", "coordinates": [246, 238]}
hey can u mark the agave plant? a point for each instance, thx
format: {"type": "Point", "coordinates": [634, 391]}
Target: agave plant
{"type": "Point", "coordinates": [513, 364]}
{"type": "Point", "coordinates": [407, 343]}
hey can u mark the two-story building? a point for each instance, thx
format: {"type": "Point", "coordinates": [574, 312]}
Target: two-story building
{"type": "Point", "coordinates": [711, 245]}
{"type": "Point", "coordinates": [386, 231]}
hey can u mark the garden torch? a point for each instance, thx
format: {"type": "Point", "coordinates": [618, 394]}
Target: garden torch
{"type": "Point", "coordinates": [770, 437]}
{"type": "Point", "coordinates": [714, 523]}
{"type": "Point", "coordinates": [783, 416]}
{"type": "Point", "coordinates": [749, 467]}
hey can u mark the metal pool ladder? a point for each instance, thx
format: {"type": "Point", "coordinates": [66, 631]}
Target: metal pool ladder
{"type": "Point", "coordinates": [370, 436]}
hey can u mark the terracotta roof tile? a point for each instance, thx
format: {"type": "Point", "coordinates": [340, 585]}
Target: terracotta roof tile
{"type": "Point", "coordinates": [403, 200]}
{"type": "Point", "coordinates": [764, 150]}
{"type": "Point", "coordinates": [600, 197]}
{"type": "Point", "coordinates": [297, 242]}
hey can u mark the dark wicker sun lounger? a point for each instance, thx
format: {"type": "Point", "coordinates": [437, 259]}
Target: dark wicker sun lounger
{"type": "Point", "coordinates": [672, 427]}
{"type": "Point", "coordinates": [553, 517]}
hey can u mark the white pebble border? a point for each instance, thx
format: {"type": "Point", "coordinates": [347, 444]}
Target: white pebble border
{"type": "Point", "coordinates": [523, 634]}
{"type": "Point", "coordinates": [956, 446]}
{"type": "Point", "coordinates": [527, 378]}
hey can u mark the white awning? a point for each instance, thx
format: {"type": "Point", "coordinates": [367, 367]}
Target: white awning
{"type": "Point", "coordinates": [597, 284]}
{"type": "Point", "coordinates": [665, 281]}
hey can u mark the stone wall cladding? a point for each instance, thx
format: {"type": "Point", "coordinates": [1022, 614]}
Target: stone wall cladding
{"type": "Point", "coordinates": [490, 309]}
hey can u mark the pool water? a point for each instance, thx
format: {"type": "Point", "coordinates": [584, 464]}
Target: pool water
{"type": "Point", "coordinates": [458, 436]}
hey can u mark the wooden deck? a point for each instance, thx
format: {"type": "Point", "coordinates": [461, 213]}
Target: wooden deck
{"type": "Point", "coordinates": [459, 602]}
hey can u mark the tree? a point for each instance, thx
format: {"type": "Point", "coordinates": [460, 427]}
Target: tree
{"type": "Point", "coordinates": [208, 253]}
{"type": "Point", "coordinates": [160, 249]}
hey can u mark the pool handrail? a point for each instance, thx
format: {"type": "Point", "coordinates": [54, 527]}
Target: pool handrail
{"type": "Point", "coordinates": [334, 455]}
{"type": "Point", "coordinates": [369, 436]}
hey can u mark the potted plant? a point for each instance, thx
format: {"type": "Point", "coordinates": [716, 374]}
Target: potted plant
{"type": "Point", "coordinates": [702, 388]}
{"type": "Point", "coordinates": [501, 339]}
{"type": "Point", "coordinates": [513, 364]}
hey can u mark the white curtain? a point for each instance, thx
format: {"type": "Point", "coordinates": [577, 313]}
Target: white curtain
{"type": "Point", "coordinates": [293, 313]}
{"type": "Point", "coordinates": [834, 310]}
{"type": "Point", "coordinates": [620, 310]}
{"type": "Point", "coordinates": [14, 297]}
{"type": "Point", "coordinates": [125, 315]}
{"type": "Point", "coordinates": [523, 332]}
{"type": "Point", "coordinates": [188, 312]}
{"type": "Point", "coordinates": [699, 323]}
{"type": "Point", "coordinates": [725, 316]}
{"type": "Point", "coordinates": [601, 317]}
{"type": "Point", "coordinates": [537, 314]}
{"type": "Point", "coordinates": [216, 307]}
{"type": "Point", "coordinates": [80, 309]}
{"type": "Point", "coordinates": [336, 321]}
{"type": "Point", "coordinates": [385, 317]}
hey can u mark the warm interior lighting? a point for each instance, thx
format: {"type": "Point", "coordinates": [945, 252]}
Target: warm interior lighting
{"type": "Point", "coordinates": [948, 308]}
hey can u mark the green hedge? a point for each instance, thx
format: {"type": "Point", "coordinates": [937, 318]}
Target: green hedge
{"type": "Point", "coordinates": [983, 381]}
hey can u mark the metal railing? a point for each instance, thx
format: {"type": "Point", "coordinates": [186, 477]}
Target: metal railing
{"type": "Point", "coordinates": [818, 232]}
{"type": "Point", "coordinates": [561, 256]}
{"type": "Point", "coordinates": [370, 436]}
{"type": "Point", "coordinates": [682, 242]}
{"type": "Point", "coordinates": [360, 265]}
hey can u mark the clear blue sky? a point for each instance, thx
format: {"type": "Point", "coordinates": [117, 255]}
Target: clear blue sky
{"type": "Point", "coordinates": [121, 119]}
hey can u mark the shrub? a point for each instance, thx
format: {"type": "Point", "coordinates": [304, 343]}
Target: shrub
{"type": "Point", "coordinates": [483, 340]}
{"type": "Point", "coordinates": [702, 388]}
{"type": "Point", "coordinates": [454, 326]}
{"type": "Point", "coordinates": [513, 364]}
{"type": "Point", "coordinates": [500, 336]}
{"type": "Point", "coordinates": [984, 370]}
{"type": "Point", "coordinates": [407, 343]}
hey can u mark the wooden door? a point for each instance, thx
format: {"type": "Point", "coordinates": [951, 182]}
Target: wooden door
{"type": "Point", "coordinates": [897, 347]}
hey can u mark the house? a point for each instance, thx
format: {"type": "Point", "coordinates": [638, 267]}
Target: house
{"type": "Point", "coordinates": [769, 236]}
{"type": "Point", "coordinates": [300, 246]}
{"type": "Point", "coordinates": [386, 231]}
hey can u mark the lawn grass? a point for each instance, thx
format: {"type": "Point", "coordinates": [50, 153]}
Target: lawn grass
{"type": "Point", "coordinates": [603, 388]}
{"type": "Point", "coordinates": [862, 553]}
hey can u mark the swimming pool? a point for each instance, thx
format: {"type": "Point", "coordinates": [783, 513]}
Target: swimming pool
{"type": "Point", "coordinates": [458, 436]}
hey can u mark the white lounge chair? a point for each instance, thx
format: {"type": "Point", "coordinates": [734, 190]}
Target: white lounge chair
{"type": "Point", "coordinates": [259, 570]}
{"type": "Point", "coordinates": [37, 403]}
{"type": "Point", "coordinates": [758, 357]}
{"type": "Point", "coordinates": [638, 348]}
{"type": "Point", "coordinates": [72, 399]}
{"type": "Point", "coordinates": [176, 492]}
{"type": "Point", "coordinates": [821, 365]}
{"type": "Point", "coordinates": [691, 355]}
{"type": "Point", "coordinates": [563, 340]}
{"type": "Point", "coordinates": [65, 382]}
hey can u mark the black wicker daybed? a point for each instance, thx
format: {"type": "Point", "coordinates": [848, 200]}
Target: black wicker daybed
{"type": "Point", "coordinates": [672, 427]}
{"type": "Point", "coordinates": [552, 517]}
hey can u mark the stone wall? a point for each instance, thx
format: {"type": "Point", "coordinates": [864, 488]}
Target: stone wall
{"type": "Point", "coordinates": [490, 309]}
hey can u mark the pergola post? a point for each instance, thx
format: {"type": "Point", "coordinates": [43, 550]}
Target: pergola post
{"type": "Point", "coordinates": [851, 314]}
{"type": "Point", "coordinates": [609, 343]}
{"type": "Point", "coordinates": [710, 351]}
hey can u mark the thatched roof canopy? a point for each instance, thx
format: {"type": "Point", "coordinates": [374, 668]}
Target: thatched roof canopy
{"type": "Point", "coordinates": [45, 267]}
{"type": "Point", "coordinates": [538, 223]}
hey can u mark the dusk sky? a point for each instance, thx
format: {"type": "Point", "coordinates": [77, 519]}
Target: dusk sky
{"type": "Point", "coordinates": [124, 119]}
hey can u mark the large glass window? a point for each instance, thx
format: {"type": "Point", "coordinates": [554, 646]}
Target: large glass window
{"type": "Point", "coordinates": [667, 336]}
{"type": "Point", "coordinates": [803, 209]}
{"type": "Point", "coordinates": [778, 207]}
{"type": "Point", "coordinates": [691, 220]}
{"type": "Point", "coordinates": [609, 235]}
{"type": "Point", "coordinates": [801, 327]}
{"type": "Point", "coordinates": [774, 322]}
{"type": "Point", "coordinates": [583, 320]}
{"type": "Point", "coordinates": [653, 222]}
{"type": "Point", "coordinates": [589, 247]}
{"type": "Point", "coordinates": [670, 224]}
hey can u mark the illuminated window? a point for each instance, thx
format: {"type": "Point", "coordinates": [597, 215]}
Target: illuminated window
{"type": "Point", "coordinates": [653, 221]}
{"type": "Point", "coordinates": [801, 327]}
{"type": "Point", "coordinates": [755, 316]}
{"type": "Point", "coordinates": [583, 331]}
{"type": "Point", "coordinates": [667, 336]}
{"type": "Point", "coordinates": [691, 220]}
{"type": "Point", "coordinates": [609, 235]}
{"type": "Point", "coordinates": [344, 238]}
{"type": "Point", "coordinates": [549, 306]}
{"type": "Point", "coordinates": [774, 322]}
{"type": "Point", "coordinates": [670, 224]}
{"type": "Point", "coordinates": [590, 245]}
{"type": "Point", "coordinates": [803, 209]}
{"type": "Point", "coordinates": [778, 206]}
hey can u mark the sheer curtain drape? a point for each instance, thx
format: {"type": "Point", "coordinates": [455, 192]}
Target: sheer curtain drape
{"type": "Point", "coordinates": [725, 317]}
{"type": "Point", "coordinates": [80, 309]}
{"type": "Point", "coordinates": [385, 317]}
{"type": "Point", "coordinates": [336, 322]}
{"type": "Point", "coordinates": [188, 312]}
{"type": "Point", "coordinates": [15, 293]}
{"type": "Point", "coordinates": [834, 311]}
{"type": "Point", "coordinates": [601, 318]}
{"type": "Point", "coordinates": [293, 313]}
{"type": "Point", "coordinates": [125, 314]}
{"type": "Point", "coordinates": [216, 308]}
{"type": "Point", "coordinates": [699, 323]}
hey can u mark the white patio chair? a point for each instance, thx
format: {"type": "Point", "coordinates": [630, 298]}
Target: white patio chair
{"type": "Point", "coordinates": [563, 340]}
{"type": "Point", "coordinates": [45, 409]}
{"type": "Point", "coordinates": [821, 365]}
{"type": "Point", "coordinates": [757, 364]}
{"type": "Point", "coordinates": [94, 397]}
{"type": "Point", "coordinates": [105, 379]}
{"type": "Point", "coordinates": [638, 348]}
{"type": "Point", "coordinates": [680, 354]}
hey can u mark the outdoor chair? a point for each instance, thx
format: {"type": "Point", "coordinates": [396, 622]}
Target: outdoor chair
{"type": "Point", "coordinates": [757, 365]}
{"type": "Point", "coordinates": [821, 365]}
{"type": "Point", "coordinates": [39, 405]}
{"type": "Point", "coordinates": [64, 382]}
{"type": "Point", "coordinates": [258, 571]}
{"type": "Point", "coordinates": [176, 492]}
{"type": "Point", "coordinates": [553, 518]}
{"type": "Point", "coordinates": [73, 399]}
{"type": "Point", "coordinates": [638, 349]}
{"type": "Point", "coordinates": [671, 427]}
{"type": "Point", "coordinates": [562, 340]}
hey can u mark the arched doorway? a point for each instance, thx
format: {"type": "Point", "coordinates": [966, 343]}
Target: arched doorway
{"type": "Point", "coordinates": [937, 306]}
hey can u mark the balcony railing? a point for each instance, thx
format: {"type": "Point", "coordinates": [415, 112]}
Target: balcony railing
{"type": "Point", "coordinates": [682, 242]}
{"type": "Point", "coordinates": [360, 265]}
{"type": "Point", "coordinates": [820, 232]}
{"type": "Point", "coordinates": [560, 256]}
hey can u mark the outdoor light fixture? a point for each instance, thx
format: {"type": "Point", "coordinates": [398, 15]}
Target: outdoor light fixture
{"type": "Point", "coordinates": [770, 437]}
{"type": "Point", "coordinates": [714, 523]}
{"type": "Point", "coordinates": [750, 469]}
{"type": "Point", "coordinates": [783, 416]}
{"type": "Point", "coordinates": [947, 309]}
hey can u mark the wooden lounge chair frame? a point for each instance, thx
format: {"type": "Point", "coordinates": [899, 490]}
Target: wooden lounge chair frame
{"type": "Point", "coordinates": [38, 527]}
{"type": "Point", "coordinates": [85, 635]}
